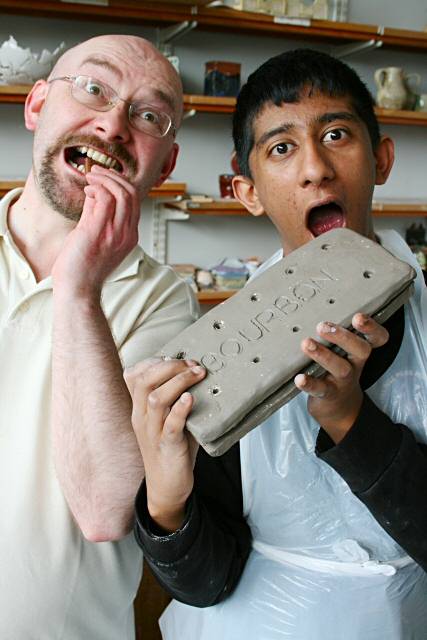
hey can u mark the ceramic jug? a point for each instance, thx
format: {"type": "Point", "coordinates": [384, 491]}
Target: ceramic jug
{"type": "Point", "coordinates": [392, 92]}
{"type": "Point", "coordinates": [411, 95]}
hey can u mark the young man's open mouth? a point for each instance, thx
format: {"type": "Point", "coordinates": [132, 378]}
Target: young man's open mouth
{"type": "Point", "coordinates": [82, 158]}
{"type": "Point", "coordinates": [323, 217]}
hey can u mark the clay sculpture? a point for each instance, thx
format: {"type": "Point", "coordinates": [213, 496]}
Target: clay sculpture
{"type": "Point", "coordinates": [250, 344]}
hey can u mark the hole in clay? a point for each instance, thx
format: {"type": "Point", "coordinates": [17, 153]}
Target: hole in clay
{"type": "Point", "coordinates": [325, 247]}
{"type": "Point", "coordinates": [289, 271]}
{"type": "Point", "coordinates": [367, 274]}
{"type": "Point", "coordinates": [331, 301]}
{"type": "Point", "coordinates": [255, 360]}
{"type": "Point", "coordinates": [254, 297]}
{"type": "Point", "coordinates": [180, 355]}
{"type": "Point", "coordinates": [295, 329]}
{"type": "Point", "coordinates": [218, 324]}
{"type": "Point", "coordinates": [215, 391]}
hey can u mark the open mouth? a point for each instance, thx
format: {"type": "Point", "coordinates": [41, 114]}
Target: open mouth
{"type": "Point", "coordinates": [325, 217]}
{"type": "Point", "coordinates": [83, 158]}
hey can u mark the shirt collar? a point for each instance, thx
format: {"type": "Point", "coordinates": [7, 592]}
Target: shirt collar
{"type": "Point", "coordinates": [5, 203]}
{"type": "Point", "coordinates": [128, 267]}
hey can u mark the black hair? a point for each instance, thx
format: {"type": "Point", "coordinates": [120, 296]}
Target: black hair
{"type": "Point", "coordinates": [283, 78]}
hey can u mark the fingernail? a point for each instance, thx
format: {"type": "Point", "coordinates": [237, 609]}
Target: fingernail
{"type": "Point", "coordinates": [197, 370]}
{"type": "Point", "coordinates": [191, 363]}
{"type": "Point", "coordinates": [327, 327]}
{"type": "Point", "coordinates": [185, 397]}
{"type": "Point", "coordinates": [300, 379]}
{"type": "Point", "coordinates": [310, 345]}
{"type": "Point", "coordinates": [363, 318]}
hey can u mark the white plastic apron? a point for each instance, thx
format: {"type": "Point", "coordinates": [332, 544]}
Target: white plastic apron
{"type": "Point", "coordinates": [322, 568]}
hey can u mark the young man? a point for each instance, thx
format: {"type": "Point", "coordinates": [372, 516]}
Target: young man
{"type": "Point", "coordinates": [325, 520]}
{"type": "Point", "coordinates": [78, 299]}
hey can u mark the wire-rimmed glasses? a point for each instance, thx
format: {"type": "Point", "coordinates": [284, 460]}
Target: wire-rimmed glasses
{"type": "Point", "coordinates": [101, 97]}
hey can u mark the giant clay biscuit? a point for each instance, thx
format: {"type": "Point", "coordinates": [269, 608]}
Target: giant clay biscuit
{"type": "Point", "coordinates": [250, 344]}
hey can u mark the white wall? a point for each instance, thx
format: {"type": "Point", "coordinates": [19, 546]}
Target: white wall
{"type": "Point", "coordinates": [206, 140]}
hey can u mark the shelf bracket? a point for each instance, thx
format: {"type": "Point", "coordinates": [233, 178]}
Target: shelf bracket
{"type": "Point", "coordinates": [170, 34]}
{"type": "Point", "coordinates": [356, 47]}
{"type": "Point", "coordinates": [161, 217]}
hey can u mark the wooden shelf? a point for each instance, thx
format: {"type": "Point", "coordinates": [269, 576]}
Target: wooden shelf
{"type": "Point", "coordinates": [16, 94]}
{"type": "Point", "coordinates": [217, 19]}
{"type": "Point", "coordinates": [394, 208]}
{"type": "Point", "coordinates": [209, 104]}
{"type": "Point", "coordinates": [214, 297]}
{"type": "Point", "coordinates": [224, 207]}
{"type": "Point", "coordinates": [131, 11]}
{"type": "Point", "coordinates": [391, 116]}
{"type": "Point", "coordinates": [167, 190]}
{"type": "Point", "coordinates": [230, 207]}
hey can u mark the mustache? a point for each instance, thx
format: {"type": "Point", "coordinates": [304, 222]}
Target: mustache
{"type": "Point", "coordinates": [109, 148]}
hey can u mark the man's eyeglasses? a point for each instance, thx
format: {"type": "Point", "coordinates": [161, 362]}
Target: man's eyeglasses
{"type": "Point", "coordinates": [99, 96]}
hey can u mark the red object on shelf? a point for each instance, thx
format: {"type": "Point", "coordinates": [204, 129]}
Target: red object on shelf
{"type": "Point", "coordinates": [225, 185]}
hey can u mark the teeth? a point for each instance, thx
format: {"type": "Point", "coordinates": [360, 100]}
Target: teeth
{"type": "Point", "coordinates": [81, 168]}
{"type": "Point", "coordinates": [96, 156]}
{"type": "Point", "coordinates": [99, 157]}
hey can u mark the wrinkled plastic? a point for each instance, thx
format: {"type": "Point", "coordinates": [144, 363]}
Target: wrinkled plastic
{"type": "Point", "coordinates": [322, 568]}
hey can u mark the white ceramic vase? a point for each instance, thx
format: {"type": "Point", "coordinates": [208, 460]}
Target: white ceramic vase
{"type": "Point", "coordinates": [392, 92]}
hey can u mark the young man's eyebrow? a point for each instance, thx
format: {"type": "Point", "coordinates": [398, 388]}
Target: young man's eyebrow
{"type": "Point", "coordinates": [284, 128]}
{"type": "Point", "coordinates": [325, 118]}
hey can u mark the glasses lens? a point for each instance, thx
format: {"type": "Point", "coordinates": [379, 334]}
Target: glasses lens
{"type": "Point", "coordinates": [91, 92]}
{"type": "Point", "coordinates": [99, 96]}
{"type": "Point", "coordinates": [149, 120]}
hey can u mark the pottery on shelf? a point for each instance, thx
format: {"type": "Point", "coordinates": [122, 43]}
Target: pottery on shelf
{"type": "Point", "coordinates": [394, 91]}
{"type": "Point", "coordinates": [22, 66]}
{"type": "Point", "coordinates": [412, 96]}
{"type": "Point", "coordinates": [421, 102]}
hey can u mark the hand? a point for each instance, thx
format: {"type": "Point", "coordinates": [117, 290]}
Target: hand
{"type": "Point", "coordinates": [161, 404]}
{"type": "Point", "coordinates": [335, 399]}
{"type": "Point", "coordinates": [106, 232]}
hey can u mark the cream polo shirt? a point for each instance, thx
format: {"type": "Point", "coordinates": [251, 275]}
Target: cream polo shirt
{"type": "Point", "coordinates": [54, 585]}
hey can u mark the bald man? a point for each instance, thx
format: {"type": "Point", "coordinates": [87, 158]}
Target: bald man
{"type": "Point", "coordinates": [79, 300]}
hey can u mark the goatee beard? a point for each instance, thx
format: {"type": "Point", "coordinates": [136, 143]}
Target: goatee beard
{"type": "Point", "coordinates": [67, 198]}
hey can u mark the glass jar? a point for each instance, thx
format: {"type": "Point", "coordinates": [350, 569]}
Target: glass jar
{"type": "Point", "coordinates": [222, 78]}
